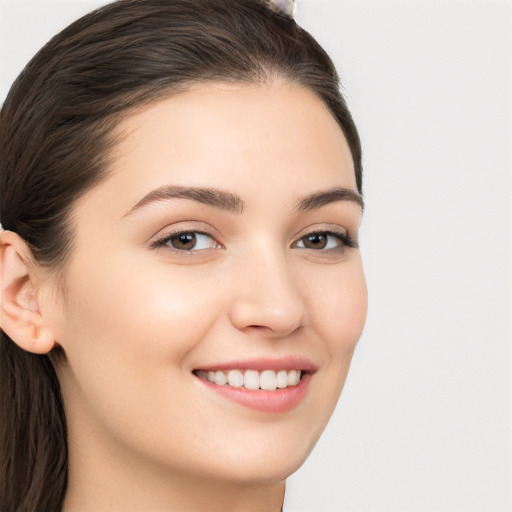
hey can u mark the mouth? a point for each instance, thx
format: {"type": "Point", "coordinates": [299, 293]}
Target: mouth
{"type": "Point", "coordinates": [264, 385]}
{"type": "Point", "coordinates": [266, 380]}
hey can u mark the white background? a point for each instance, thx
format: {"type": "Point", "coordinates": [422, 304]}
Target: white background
{"type": "Point", "coordinates": [425, 420]}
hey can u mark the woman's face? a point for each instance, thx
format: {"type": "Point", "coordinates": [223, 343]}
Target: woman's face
{"type": "Point", "coordinates": [222, 245]}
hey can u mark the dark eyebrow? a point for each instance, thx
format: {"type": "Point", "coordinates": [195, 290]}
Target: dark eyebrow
{"type": "Point", "coordinates": [209, 196]}
{"type": "Point", "coordinates": [332, 195]}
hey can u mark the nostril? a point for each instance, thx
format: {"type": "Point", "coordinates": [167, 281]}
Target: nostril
{"type": "Point", "coordinates": [258, 327]}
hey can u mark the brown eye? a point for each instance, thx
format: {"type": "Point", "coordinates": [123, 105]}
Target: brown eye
{"type": "Point", "coordinates": [191, 241]}
{"type": "Point", "coordinates": [325, 241]}
{"type": "Point", "coordinates": [183, 241]}
{"type": "Point", "coordinates": [315, 241]}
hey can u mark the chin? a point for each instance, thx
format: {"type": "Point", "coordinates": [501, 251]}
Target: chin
{"type": "Point", "coordinates": [262, 472]}
{"type": "Point", "coordinates": [265, 462]}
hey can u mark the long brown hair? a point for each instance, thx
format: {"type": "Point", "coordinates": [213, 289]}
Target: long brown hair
{"type": "Point", "coordinates": [55, 137]}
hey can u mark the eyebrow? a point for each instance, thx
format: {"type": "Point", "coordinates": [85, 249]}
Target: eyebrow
{"type": "Point", "coordinates": [209, 196]}
{"type": "Point", "coordinates": [230, 202]}
{"type": "Point", "coordinates": [332, 195]}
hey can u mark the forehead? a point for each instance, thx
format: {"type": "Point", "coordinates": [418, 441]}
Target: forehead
{"type": "Point", "coordinates": [278, 126]}
{"type": "Point", "coordinates": [276, 140]}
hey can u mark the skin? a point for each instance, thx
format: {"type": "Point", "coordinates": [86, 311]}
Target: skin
{"type": "Point", "coordinates": [135, 320]}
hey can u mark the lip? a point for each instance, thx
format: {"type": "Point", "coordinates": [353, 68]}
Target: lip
{"type": "Point", "coordinates": [264, 363]}
{"type": "Point", "coordinates": [273, 402]}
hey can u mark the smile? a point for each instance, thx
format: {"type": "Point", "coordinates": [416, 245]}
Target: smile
{"type": "Point", "coordinates": [267, 380]}
{"type": "Point", "coordinates": [264, 385]}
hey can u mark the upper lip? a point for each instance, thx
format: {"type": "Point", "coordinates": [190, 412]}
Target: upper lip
{"type": "Point", "coordinates": [264, 363]}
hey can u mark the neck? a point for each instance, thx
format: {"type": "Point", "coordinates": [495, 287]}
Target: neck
{"type": "Point", "coordinates": [113, 494]}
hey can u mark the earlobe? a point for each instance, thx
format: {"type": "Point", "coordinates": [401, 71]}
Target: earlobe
{"type": "Point", "coordinates": [20, 313]}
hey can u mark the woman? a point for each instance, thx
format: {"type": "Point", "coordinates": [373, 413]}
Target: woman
{"type": "Point", "coordinates": [181, 284]}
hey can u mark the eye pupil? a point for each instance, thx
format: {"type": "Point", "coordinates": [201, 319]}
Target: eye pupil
{"type": "Point", "coordinates": [315, 241]}
{"type": "Point", "coordinates": [184, 241]}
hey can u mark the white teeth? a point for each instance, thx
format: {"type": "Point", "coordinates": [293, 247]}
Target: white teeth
{"type": "Point", "coordinates": [220, 378]}
{"type": "Point", "coordinates": [267, 380]}
{"type": "Point", "coordinates": [251, 379]}
{"type": "Point", "coordinates": [282, 379]}
{"type": "Point", "coordinates": [235, 378]}
{"type": "Point", "coordinates": [293, 377]}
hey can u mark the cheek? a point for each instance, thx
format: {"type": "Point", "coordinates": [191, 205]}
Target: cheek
{"type": "Point", "coordinates": [143, 311]}
{"type": "Point", "coordinates": [126, 333]}
{"type": "Point", "coordinates": [338, 314]}
{"type": "Point", "coordinates": [337, 303]}
{"type": "Point", "coordinates": [339, 309]}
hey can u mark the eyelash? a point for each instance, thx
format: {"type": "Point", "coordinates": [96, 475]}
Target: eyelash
{"type": "Point", "coordinates": [164, 241]}
{"type": "Point", "coordinates": [344, 240]}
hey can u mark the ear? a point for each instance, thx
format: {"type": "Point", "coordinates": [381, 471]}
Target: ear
{"type": "Point", "coordinates": [20, 283]}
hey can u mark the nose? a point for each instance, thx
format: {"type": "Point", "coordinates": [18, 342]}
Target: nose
{"type": "Point", "coordinates": [267, 297]}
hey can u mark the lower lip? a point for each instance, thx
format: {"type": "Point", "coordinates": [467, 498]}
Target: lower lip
{"type": "Point", "coordinates": [278, 401]}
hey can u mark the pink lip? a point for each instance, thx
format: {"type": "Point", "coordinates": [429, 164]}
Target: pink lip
{"type": "Point", "coordinates": [261, 364]}
{"type": "Point", "coordinates": [278, 401]}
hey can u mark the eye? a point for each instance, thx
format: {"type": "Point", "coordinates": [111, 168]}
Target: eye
{"type": "Point", "coordinates": [188, 241]}
{"type": "Point", "coordinates": [325, 241]}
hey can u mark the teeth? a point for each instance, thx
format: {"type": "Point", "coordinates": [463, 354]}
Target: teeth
{"type": "Point", "coordinates": [251, 379]}
{"type": "Point", "coordinates": [235, 378]}
{"type": "Point", "coordinates": [220, 378]}
{"type": "Point", "coordinates": [267, 380]}
{"type": "Point", "coordinates": [293, 377]}
{"type": "Point", "coordinates": [282, 379]}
